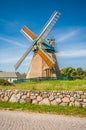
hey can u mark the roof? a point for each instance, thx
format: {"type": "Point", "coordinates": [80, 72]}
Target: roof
{"type": "Point", "coordinates": [8, 75]}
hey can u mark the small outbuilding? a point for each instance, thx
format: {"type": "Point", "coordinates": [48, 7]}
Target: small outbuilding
{"type": "Point", "coordinates": [10, 76]}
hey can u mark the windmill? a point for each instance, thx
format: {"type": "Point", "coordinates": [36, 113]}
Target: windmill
{"type": "Point", "coordinates": [44, 62]}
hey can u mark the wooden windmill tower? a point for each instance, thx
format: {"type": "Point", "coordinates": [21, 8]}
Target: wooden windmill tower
{"type": "Point", "coordinates": [44, 62]}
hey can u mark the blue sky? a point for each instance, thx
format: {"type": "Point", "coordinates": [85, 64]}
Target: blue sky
{"type": "Point", "coordinates": [69, 31]}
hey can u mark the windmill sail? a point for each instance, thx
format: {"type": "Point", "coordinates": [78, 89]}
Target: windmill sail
{"type": "Point", "coordinates": [49, 25]}
{"type": "Point", "coordinates": [28, 33]}
{"type": "Point", "coordinates": [45, 57]}
{"type": "Point", "coordinates": [23, 57]}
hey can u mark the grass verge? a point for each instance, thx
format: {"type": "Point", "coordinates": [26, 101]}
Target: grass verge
{"type": "Point", "coordinates": [74, 85]}
{"type": "Point", "coordinates": [74, 111]}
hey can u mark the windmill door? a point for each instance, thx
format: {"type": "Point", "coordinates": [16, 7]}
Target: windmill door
{"type": "Point", "coordinates": [48, 73]}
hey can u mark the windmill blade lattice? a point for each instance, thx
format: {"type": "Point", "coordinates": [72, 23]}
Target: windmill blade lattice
{"type": "Point", "coordinates": [23, 57]}
{"type": "Point", "coordinates": [49, 25]}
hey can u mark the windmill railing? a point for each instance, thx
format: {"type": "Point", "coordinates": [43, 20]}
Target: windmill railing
{"type": "Point", "coordinates": [44, 78]}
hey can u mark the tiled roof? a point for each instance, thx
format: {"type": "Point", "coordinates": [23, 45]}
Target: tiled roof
{"type": "Point", "coordinates": [8, 75]}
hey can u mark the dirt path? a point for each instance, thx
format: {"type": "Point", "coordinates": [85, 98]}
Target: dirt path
{"type": "Point", "coordinates": [13, 120]}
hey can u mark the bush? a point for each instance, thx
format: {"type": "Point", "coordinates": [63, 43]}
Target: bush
{"type": "Point", "coordinates": [4, 82]}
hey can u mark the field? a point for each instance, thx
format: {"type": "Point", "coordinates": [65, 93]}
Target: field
{"type": "Point", "coordinates": [71, 85]}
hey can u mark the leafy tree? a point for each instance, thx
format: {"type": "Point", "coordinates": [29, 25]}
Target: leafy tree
{"type": "Point", "coordinates": [69, 71]}
{"type": "Point", "coordinates": [77, 73]}
{"type": "Point", "coordinates": [73, 73]}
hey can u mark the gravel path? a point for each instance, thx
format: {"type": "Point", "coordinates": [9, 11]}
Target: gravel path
{"type": "Point", "coordinates": [14, 120]}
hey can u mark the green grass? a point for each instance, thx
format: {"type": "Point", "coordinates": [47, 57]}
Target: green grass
{"type": "Point", "coordinates": [75, 111]}
{"type": "Point", "coordinates": [74, 85]}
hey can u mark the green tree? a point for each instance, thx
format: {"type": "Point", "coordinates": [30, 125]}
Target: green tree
{"type": "Point", "coordinates": [77, 73]}
{"type": "Point", "coordinates": [69, 71]}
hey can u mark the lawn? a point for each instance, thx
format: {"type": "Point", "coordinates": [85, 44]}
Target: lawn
{"type": "Point", "coordinates": [71, 85]}
{"type": "Point", "coordinates": [75, 111]}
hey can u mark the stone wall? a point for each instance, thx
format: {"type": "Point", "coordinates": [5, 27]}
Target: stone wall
{"type": "Point", "coordinates": [63, 98]}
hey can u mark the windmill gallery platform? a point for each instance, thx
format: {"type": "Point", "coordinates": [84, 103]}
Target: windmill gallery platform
{"type": "Point", "coordinates": [44, 62]}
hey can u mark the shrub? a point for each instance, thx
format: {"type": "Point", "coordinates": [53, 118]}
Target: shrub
{"type": "Point", "coordinates": [4, 82]}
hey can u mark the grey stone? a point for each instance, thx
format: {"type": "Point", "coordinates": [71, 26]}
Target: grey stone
{"type": "Point", "coordinates": [25, 92]}
{"type": "Point", "coordinates": [75, 95]}
{"type": "Point", "coordinates": [80, 100]}
{"type": "Point", "coordinates": [34, 101]}
{"type": "Point", "coordinates": [60, 96]}
{"type": "Point", "coordinates": [85, 93]}
{"type": "Point", "coordinates": [16, 92]}
{"type": "Point", "coordinates": [32, 94]}
{"type": "Point", "coordinates": [83, 96]}
{"type": "Point", "coordinates": [84, 100]}
{"type": "Point", "coordinates": [78, 95]}
{"type": "Point", "coordinates": [24, 97]}
{"type": "Point", "coordinates": [58, 93]}
{"type": "Point", "coordinates": [71, 104]}
{"type": "Point", "coordinates": [18, 96]}
{"type": "Point", "coordinates": [54, 93]}
{"type": "Point", "coordinates": [45, 96]}
{"type": "Point", "coordinates": [6, 94]}
{"type": "Point", "coordinates": [45, 101]}
{"type": "Point", "coordinates": [21, 93]}
{"type": "Point", "coordinates": [28, 95]}
{"type": "Point", "coordinates": [10, 93]}
{"type": "Point", "coordinates": [28, 100]}
{"type": "Point", "coordinates": [77, 104]}
{"type": "Point", "coordinates": [65, 100]}
{"type": "Point", "coordinates": [68, 96]}
{"type": "Point", "coordinates": [39, 98]}
{"type": "Point", "coordinates": [72, 94]}
{"type": "Point", "coordinates": [33, 97]}
{"type": "Point", "coordinates": [51, 98]}
{"type": "Point", "coordinates": [6, 98]}
{"type": "Point", "coordinates": [36, 94]}
{"type": "Point", "coordinates": [83, 104]}
{"type": "Point", "coordinates": [2, 95]}
{"type": "Point", "coordinates": [45, 92]}
{"type": "Point", "coordinates": [22, 101]}
{"type": "Point", "coordinates": [72, 99]}
{"type": "Point", "coordinates": [13, 98]}
{"type": "Point", "coordinates": [63, 104]}
{"type": "Point", "coordinates": [58, 100]}
{"type": "Point", "coordinates": [56, 96]}
{"type": "Point", "coordinates": [53, 102]}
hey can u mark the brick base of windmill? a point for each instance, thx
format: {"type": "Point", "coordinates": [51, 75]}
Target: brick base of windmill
{"type": "Point", "coordinates": [38, 68]}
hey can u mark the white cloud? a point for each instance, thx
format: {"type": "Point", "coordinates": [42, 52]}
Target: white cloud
{"type": "Point", "coordinates": [8, 60]}
{"type": "Point", "coordinates": [73, 53]}
{"type": "Point", "coordinates": [14, 60]}
{"type": "Point", "coordinates": [67, 35]}
{"type": "Point", "coordinates": [12, 42]}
